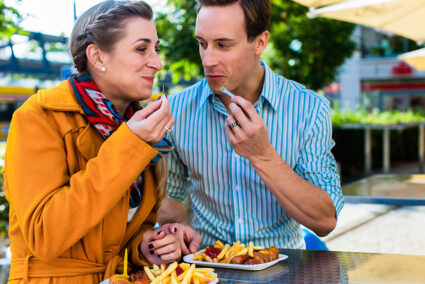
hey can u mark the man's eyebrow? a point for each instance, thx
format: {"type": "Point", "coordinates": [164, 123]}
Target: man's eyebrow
{"type": "Point", "coordinates": [217, 39]}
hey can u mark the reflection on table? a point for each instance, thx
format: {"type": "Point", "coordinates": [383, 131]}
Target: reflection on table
{"type": "Point", "coordinates": [387, 189]}
{"type": "Point", "coordinates": [304, 266]}
{"type": "Point", "coordinates": [308, 266]}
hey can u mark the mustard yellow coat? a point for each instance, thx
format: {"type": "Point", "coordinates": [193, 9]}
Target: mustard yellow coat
{"type": "Point", "coordinates": [68, 190]}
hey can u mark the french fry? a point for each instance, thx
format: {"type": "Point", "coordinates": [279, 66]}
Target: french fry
{"type": "Point", "coordinates": [181, 276]}
{"type": "Point", "coordinates": [149, 273]}
{"type": "Point", "coordinates": [218, 244]}
{"type": "Point", "coordinates": [251, 249]}
{"type": "Point", "coordinates": [167, 272]}
{"type": "Point", "coordinates": [242, 252]}
{"type": "Point", "coordinates": [198, 257]}
{"type": "Point", "coordinates": [184, 266]}
{"type": "Point", "coordinates": [259, 247]}
{"type": "Point", "coordinates": [223, 252]}
{"type": "Point", "coordinates": [203, 270]}
{"type": "Point", "coordinates": [188, 277]}
{"type": "Point", "coordinates": [207, 258]}
{"type": "Point", "coordinates": [174, 281]}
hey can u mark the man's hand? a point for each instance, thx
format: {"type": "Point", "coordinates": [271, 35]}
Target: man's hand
{"type": "Point", "coordinates": [249, 138]}
{"type": "Point", "coordinates": [190, 240]}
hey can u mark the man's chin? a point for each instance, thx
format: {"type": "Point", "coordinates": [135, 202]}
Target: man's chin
{"type": "Point", "coordinates": [214, 86]}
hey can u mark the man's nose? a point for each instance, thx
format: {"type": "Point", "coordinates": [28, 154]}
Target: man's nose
{"type": "Point", "coordinates": [209, 58]}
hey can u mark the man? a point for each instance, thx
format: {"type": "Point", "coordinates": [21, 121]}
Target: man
{"type": "Point", "coordinates": [257, 165]}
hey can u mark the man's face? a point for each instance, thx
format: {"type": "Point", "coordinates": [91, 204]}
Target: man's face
{"type": "Point", "coordinates": [227, 56]}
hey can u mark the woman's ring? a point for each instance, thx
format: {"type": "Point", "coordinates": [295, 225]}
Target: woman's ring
{"type": "Point", "coordinates": [233, 124]}
{"type": "Point", "coordinates": [169, 130]}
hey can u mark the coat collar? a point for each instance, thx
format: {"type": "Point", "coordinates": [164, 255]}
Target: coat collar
{"type": "Point", "coordinates": [60, 98]}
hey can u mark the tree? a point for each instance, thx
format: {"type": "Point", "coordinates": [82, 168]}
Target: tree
{"type": "Point", "coordinates": [305, 50]}
{"type": "Point", "coordinates": [9, 19]}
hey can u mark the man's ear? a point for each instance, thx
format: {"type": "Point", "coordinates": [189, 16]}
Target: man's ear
{"type": "Point", "coordinates": [261, 42]}
{"type": "Point", "coordinates": [95, 56]}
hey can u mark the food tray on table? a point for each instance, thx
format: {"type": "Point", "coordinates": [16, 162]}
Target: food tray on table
{"type": "Point", "coordinates": [189, 259]}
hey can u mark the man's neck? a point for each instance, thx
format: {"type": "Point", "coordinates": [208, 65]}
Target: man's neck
{"type": "Point", "coordinates": [253, 86]}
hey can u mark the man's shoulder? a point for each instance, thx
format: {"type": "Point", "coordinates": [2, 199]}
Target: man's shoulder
{"type": "Point", "coordinates": [299, 91]}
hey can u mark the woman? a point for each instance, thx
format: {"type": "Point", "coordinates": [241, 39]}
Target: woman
{"type": "Point", "coordinates": [82, 174]}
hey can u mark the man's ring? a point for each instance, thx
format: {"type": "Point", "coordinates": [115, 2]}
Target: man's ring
{"type": "Point", "coordinates": [168, 130]}
{"type": "Point", "coordinates": [233, 124]}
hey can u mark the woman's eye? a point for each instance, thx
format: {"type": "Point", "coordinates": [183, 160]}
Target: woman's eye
{"type": "Point", "coordinates": [142, 49]}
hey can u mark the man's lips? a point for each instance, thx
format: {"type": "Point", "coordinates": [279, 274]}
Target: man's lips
{"type": "Point", "coordinates": [214, 77]}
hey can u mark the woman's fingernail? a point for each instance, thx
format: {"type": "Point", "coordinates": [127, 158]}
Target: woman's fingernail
{"type": "Point", "coordinates": [158, 98]}
{"type": "Point", "coordinates": [159, 233]}
{"type": "Point", "coordinates": [151, 252]}
{"type": "Point", "coordinates": [175, 229]}
{"type": "Point", "coordinates": [150, 246]}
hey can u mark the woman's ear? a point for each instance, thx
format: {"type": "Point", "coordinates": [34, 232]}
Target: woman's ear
{"type": "Point", "coordinates": [261, 42]}
{"type": "Point", "coordinates": [95, 57]}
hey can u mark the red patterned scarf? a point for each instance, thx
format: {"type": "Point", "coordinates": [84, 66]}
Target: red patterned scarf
{"type": "Point", "coordinates": [104, 116]}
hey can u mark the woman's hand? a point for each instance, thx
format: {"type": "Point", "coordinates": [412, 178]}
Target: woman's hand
{"type": "Point", "coordinates": [158, 247]}
{"type": "Point", "coordinates": [151, 123]}
{"type": "Point", "coordinates": [190, 240]}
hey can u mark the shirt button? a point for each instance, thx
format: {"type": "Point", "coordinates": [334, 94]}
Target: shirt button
{"type": "Point", "coordinates": [237, 188]}
{"type": "Point", "coordinates": [239, 220]}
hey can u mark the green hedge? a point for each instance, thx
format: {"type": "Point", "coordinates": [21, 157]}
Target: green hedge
{"type": "Point", "coordinates": [387, 117]}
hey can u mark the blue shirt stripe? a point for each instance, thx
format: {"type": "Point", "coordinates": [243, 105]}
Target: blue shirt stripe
{"type": "Point", "coordinates": [229, 199]}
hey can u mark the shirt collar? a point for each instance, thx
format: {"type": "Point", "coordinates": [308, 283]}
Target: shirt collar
{"type": "Point", "coordinates": [268, 92]}
{"type": "Point", "coordinates": [206, 92]}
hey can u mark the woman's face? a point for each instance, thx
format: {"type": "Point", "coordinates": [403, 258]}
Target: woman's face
{"type": "Point", "coordinates": [132, 64]}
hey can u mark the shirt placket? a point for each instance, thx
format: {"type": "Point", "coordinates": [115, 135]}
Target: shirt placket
{"type": "Point", "coordinates": [239, 174]}
{"type": "Point", "coordinates": [237, 195]}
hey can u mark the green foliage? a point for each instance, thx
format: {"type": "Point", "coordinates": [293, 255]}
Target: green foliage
{"type": "Point", "coordinates": [301, 49]}
{"type": "Point", "coordinates": [307, 50]}
{"type": "Point", "coordinates": [375, 117]}
{"type": "Point", "coordinates": [9, 19]}
{"type": "Point", "coordinates": [176, 29]}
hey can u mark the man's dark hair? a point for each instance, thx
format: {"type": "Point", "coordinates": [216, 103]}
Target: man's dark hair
{"type": "Point", "coordinates": [257, 14]}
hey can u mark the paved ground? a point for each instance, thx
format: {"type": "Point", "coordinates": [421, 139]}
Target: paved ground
{"type": "Point", "coordinates": [380, 229]}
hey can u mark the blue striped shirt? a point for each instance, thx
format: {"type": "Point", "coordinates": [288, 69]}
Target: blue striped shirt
{"type": "Point", "coordinates": [229, 200]}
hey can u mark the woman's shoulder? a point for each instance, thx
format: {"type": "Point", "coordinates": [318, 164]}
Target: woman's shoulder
{"type": "Point", "coordinates": [59, 97]}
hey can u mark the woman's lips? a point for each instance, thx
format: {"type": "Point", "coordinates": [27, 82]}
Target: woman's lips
{"type": "Point", "coordinates": [149, 79]}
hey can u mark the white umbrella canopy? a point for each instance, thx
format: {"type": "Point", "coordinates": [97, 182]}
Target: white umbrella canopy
{"type": "Point", "coordinates": [415, 59]}
{"type": "Point", "coordinates": [403, 17]}
{"type": "Point", "coordinates": [317, 3]}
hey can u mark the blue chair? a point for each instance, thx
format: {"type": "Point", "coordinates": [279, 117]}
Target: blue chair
{"type": "Point", "coordinates": [312, 241]}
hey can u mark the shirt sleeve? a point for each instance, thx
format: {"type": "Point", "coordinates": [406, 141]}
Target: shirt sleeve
{"type": "Point", "coordinates": [178, 179]}
{"type": "Point", "coordinates": [316, 163]}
